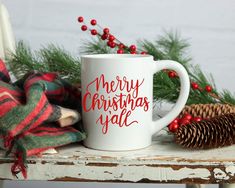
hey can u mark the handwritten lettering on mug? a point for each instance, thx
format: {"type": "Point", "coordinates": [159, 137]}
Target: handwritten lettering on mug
{"type": "Point", "coordinates": [125, 97]}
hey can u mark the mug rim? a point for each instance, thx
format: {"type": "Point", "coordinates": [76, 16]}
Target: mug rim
{"type": "Point", "coordinates": [116, 56]}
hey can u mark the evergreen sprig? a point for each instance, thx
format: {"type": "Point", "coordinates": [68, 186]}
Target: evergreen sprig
{"type": "Point", "coordinates": [59, 60]}
{"type": "Point", "coordinates": [23, 61]}
{"type": "Point", "coordinates": [48, 59]}
{"type": "Point", "coordinates": [169, 46]}
{"type": "Point", "coordinates": [95, 46]}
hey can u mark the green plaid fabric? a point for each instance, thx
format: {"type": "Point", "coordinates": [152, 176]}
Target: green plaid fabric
{"type": "Point", "coordinates": [29, 112]}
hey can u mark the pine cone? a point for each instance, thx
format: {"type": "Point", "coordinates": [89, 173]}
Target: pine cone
{"type": "Point", "coordinates": [214, 133]}
{"type": "Point", "coordinates": [208, 110]}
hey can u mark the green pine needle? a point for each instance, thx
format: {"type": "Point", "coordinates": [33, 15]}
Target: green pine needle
{"type": "Point", "coordinates": [57, 59]}
{"type": "Point", "coordinates": [95, 46]}
{"type": "Point", "coordinates": [150, 47]}
{"type": "Point", "coordinates": [49, 59]}
{"type": "Point", "coordinates": [227, 97]}
{"type": "Point", "coordinates": [23, 61]}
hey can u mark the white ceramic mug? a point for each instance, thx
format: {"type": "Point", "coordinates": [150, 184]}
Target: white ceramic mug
{"type": "Point", "coordinates": [117, 100]}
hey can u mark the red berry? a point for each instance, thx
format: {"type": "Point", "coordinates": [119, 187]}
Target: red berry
{"type": "Point", "coordinates": [93, 22]}
{"type": "Point", "coordinates": [176, 120]}
{"type": "Point", "coordinates": [106, 30]}
{"type": "Point", "coordinates": [83, 27]}
{"type": "Point", "coordinates": [111, 38]}
{"type": "Point", "coordinates": [171, 74]}
{"type": "Point", "coordinates": [93, 32]}
{"type": "Point", "coordinates": [109, 43]}
{"type": "Point", "coordinates": [80, 19]}
{"type": "Point", "coordinates": [184, 122]}
{"type": "Point", "coordinates": [187, 116]}
{"type": "Point", "coordinates": [196, 119]}
{"type": "Point", "coordinates": [112, 44]}
{"type": "Point", "coordinates": [173, 127]}
{"type": "Point", "coordinates": [143, 53]}
{"type": "Point", "coordinates": [104, 36]}
{"type": "Point", "coordinates": [120, 51]}
{"type": "Point", "coordinates": [133, 52]}
{"type": "Point", "coordinates": [132, 48]}
{"type": "Point", "coordinates": [121, 46]}
{"type": "Point", "coordinates": [194, 85]}
{"type": "Point", "coordinates": [208, 88]}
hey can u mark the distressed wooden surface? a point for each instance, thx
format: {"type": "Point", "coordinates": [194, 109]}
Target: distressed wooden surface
{"type": "Point", "coordinates": [163, 162]}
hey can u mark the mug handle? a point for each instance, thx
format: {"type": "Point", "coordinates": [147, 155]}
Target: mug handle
{"type": "Point", "coordinates": [183, 95]}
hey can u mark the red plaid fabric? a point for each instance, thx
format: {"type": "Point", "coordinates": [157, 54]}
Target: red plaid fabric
{"type": "Point", "coordinates": [29, 112]}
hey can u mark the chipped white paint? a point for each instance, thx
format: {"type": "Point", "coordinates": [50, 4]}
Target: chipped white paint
{"type": "Point", "coordinates": [230, 170]}
{"type": "Point", "coordinates": [121, 172]}
{"type": "Point", "coordinates": [162, 162]}
{"type": "Point", "coordinates": [50, 151]}
{"type": "Point", "coordinates": [220, 174]}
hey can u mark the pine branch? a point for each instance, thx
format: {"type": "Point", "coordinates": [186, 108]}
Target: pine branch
{"type": "Point", "coordinates": [173, 47]}
{"type": "Point", "coordinates": [151, 49]}
{"type": "Point", "coordinates": [57, 59]}
{"type": "Point", "coordinates": [23, 61]}
{"type": "Point", "coordinates": [95, 46]}
{"type": "Point", "coordinates": [48, 59]}
{"type": "Point", "coordinates": [169, 46]}
{"type": "Point", "coordinates": [227, 97]}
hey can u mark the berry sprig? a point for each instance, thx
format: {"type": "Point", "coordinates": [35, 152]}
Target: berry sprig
{"type": "Point", "coordinates": [194, 85]}
{"type": "Point", "coordinates": [105, 34]}
{"type": "Point", "coordinates": [184, 121]}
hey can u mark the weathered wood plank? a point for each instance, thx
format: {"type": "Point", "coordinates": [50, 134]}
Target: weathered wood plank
{"type": "Point", "coordinates": [163, 162]}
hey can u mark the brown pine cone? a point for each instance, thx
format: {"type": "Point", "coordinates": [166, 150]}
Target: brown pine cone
{"type": "Point", "coordinates": [214, 133]}
{"type": "Point", "coordinates": [208, 110]}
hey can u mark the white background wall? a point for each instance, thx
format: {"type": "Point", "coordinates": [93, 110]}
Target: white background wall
{"type": "Point", "coordinates": [208, 24]}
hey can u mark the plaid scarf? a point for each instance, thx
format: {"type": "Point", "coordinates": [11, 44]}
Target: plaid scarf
{"type": "Point", "coordinates": [30, 112]}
